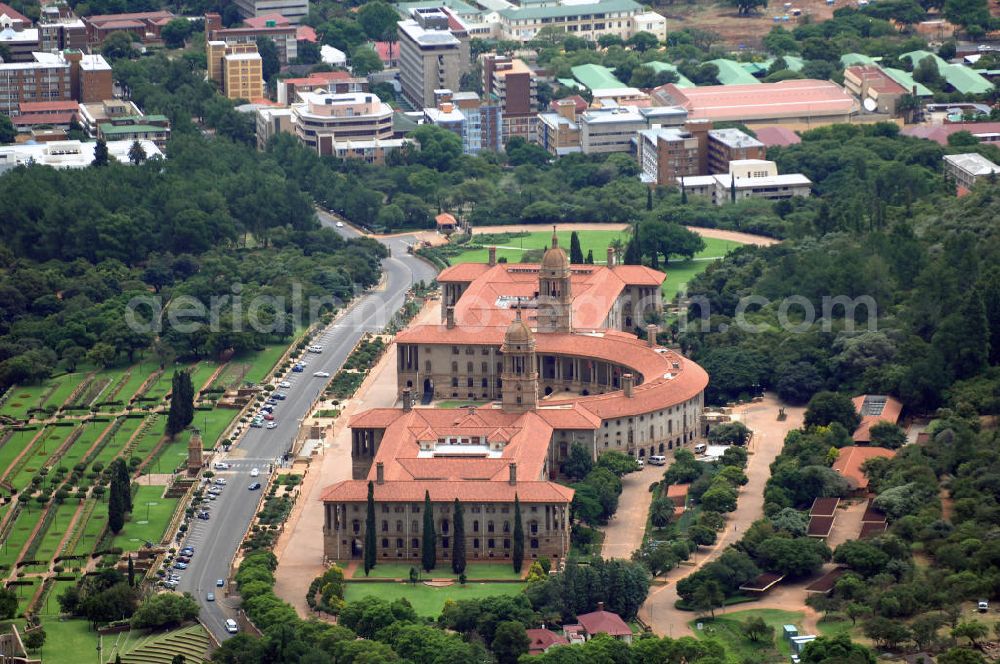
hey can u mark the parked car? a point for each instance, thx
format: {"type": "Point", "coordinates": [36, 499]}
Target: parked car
{"type": "Point", "coordinates": [255, 472]}
{"type": "Point", "coordinates": [204, 516]}
{"type": "Point", "coordinates": [315, 349]}
{"type": "Point", "coordinates": [254, 486]}
{"type": "Point", "coordinates": [284, 384]}
{"type": "Point", "coordinates": [322, 374]}
{"type": "Point", "coordinates": [256, 425]}
{"type": "Point", "coordinates": [180, 566]}
{"type": "Point", "coordinates": [340, 224]}
{"type": "Point", "coordinates": [280, 396]}
{"type": "Point", "coordinates": [983, 606]}
{"type": "Point", "coordinates": [268, 416]}
{"type": "Point", "coordinates": [267, 409]}
{"type": "Point", "coordinates": [221, 481]}
{"type": "Point", "coordinates": [187, 551]}
{"type": "Point", "coordinates": [298, 368]}
{"type": "Point", "coordinates": [271, 402]}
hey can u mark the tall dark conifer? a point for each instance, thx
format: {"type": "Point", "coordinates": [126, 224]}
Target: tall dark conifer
{"type": "Point", "coordinates": [518, 558]}
{"type": "Point", "coordinates": [370, 556]}
{"type": "Point", "coordinates": [458, 545]}
{"type": "Point", "coordinates": [429, 542]}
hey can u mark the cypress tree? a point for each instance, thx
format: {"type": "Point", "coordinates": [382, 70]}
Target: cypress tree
{"type": "Point", "coordinates": [131, 572]}
{"type": "Point", "coordinates": [732, 189]}
{"type": "Point", "coordinates": [181, 403]}
{"type": "Point", "coordinates": [633, 250]}
{"type": "Point", "coordinates": [116, 512]}
{"type": "Point", "coordinates": [121, 483]}
{"type": "Point", "coordinates": [370, 530]}
{"type": "Point", "coordinates": [458, 546]}
{"type": "Point", "coordinates": [649, 198]}
{"type": "Point", "coordinates": [518, 536]}
{"type": "Point", "coordinates": [684, 193]}
{"type": "Point", "coordinates": [575, 250]}
{"type": "Point", "coordinates": [429, 541]}
{"type": "Point", "coordinates": [590, 257]}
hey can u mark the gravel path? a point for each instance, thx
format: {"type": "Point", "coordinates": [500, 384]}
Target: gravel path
{"type": "Point", "coordinates": [717, 233]}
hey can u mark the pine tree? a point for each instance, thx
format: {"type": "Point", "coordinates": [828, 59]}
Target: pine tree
{"type": "Point", "coordinates": [684, 193]}
{"type": "Point", "coordinates": [575, 250]}
{"type": "Point", "coordinates": [181, 403]}
{"type": "Point", "coordinates": [429, 541]}
{"type": "Point", "coordinates": [458, 545]}
{"type": "Point", "coordinates": [100, 153]}
{"type": "Point", "coordinates": [590, 257]}
{"type": "Point", "coordinates": [116, 513]}
{"type": "Point", "coordinates": [370, 530]}
{"type": "Point", "coordinates": [633, 250]}
{"type": "Point", "coordinates": [518, 536]}
{"type": "Point", "coordinates": [131, 572]}
{"type": "Point", "coordinates": [732, 189]}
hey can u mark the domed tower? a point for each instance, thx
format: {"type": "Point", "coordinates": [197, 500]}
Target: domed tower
{"type": "Point", "coordinates": [555, 295]}
{"type": "Point", "coordinates": [519, 377]}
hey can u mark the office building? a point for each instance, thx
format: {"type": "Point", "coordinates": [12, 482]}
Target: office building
{"type": "Point", "coordinates": [237, 69]}
{"type": "Point", "coordinates": [275, 27]}
{"type": "Point", "coordinates": [53, 77]}
{"type": "Point", "coordinates": [433, 54]}
{"type": "Point", "coordinates": [589, 20]}
{"type": "Point", "coordinates": [726, 145]}
{"type": "Point", "coordinates": [464, 114]}
{"type": "Point", "coordinates": [514, 87]}
{"type": "Point", "coordinates": [154, 128]}
{"type": "Point", "coordinates": [666, 154]}
{"type": "Point", "coordinates": [271, 122]}
{"type": "Point", "coordinates": [93, 114]}
{"type": "Point", "coordinates": [965, 170]}
{"type": "Point", "coordinates": [59, 28]}
{"type": "Point", "coordinates": [559, 130]}
{"type": "Point", "coordinates": [749, 178]}
{"type": "Point", "coordinates": [20, 42]}
{"type": "Point", "coordinates": [334, 82]}
{"type": "Point", "coordinates": [322, 120]}
{"type": "Point", "coordinates": [293, 10]}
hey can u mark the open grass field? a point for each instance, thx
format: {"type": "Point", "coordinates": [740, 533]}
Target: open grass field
{"type": "Point", "coordinates": [137, 376]}
{"type": "Point", "coordinates": [211, 424]}
{"type": "Point", "coordinates": [22, 398]}
{"type": "Point", "coordinates": [442, 571]}
{"type": "Point", "coordinates": [148, 440]}
{"type": "Point", "coordinates": [92, 528]}
{"type": "Point", "coordinates": [171, 455]}
{"type": "Point", "coordinates": [18, 535]}
{"type": "Point", "coordinates": [68, 641]}
{"type": "Point", "coordinates": [119, 439]}
{"type": "Point", "coordinates": [78, 450]}
{"type": "Point", "coordinates": [151, 514]}
{"type": "Point", "coordinates": [26, 592]}
{"type": "Point", "coordinates": [262, 361]}
{"type": "Point", "coordinates": [426, 600]}
{"type": "Point", "coordinates": [37, 456]}
{"type": "Point", "coordinates": [14, 446]}
{"type": "Point", "coordinates": [56, 530]}
{"type": "Point", "coordinates": [678, 272]}
{"type": "Point", "coordinates": [727, 629]}
{"type": "Point", "coordinates": [65, 385]}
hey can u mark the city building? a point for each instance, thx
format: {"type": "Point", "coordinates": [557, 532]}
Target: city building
{"type": "Point", "coordinates": [727, 145]}
{"type": "Point", "coordinates": [53, 77]}
{"type": "Point", "coordinates": [154, 128]}
{"type": "Point", "coordinates": [271, 122]}
{"type": "Point", "coordinates": [433, 54]}
{"type": "Point", "coordinates": [93, 114]}
{"type": "Point", "coordinates": [11, 18]}
{"type": "Point", "coordinates": [558, 130]}
{"type": "Point", "coordinates": [803, 101]}
{"type": "Point", "coordinates": [965, 170]}
{"type": "Point", "coordinates": [59, 28]}
{"type": "Point", "coordinates": [546, 342]}
{"type": "Point", "coordinates": [749, 178]}
{"type": "Point", "coordinates": [90, 77]}
{"type": "Point", "coordinates": [293, 10]}
{"type": "Point", "coordinates": [540, 640]}
{"type": "Point", "coordinates": [614, 128]}
{"type": "Point", "coordinates": [514, 86]}
{"type": "Point", "coordinates": [66, 154]}
{"type": "Point", "coordinates": [960, 78]}
{"type": "Point", "coordinates": [275, 27]}
{"type": "Point", "coordinates": [145, 25]}
{"type": "Point", "coordinates": [589, 20]}
{"type": "Point", "coordinates": [334, 82]}
{"type": "Point", "coordinates": [56, 114]}
{"type": "Point", "coordinates": [20, 42]}
{"type": "Point", "coordinates": [875, 89]}
{"type": "Point", "coordinates": [986, 132]}
{"type": "Point", "coordinates": [323, 120]}
{"type": "Point", "coordinates": [668, 153]}
{"type": "Point", "coordinates": [237, 69]}
{"type": "Point", "coordinates": [476, 123]}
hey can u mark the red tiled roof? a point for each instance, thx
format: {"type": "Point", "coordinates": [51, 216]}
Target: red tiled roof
{"type": "Point", "coordinates": [540, 640]}
{"type": "Point", "coordinates": [306, 33]}
{"type": "Point", "coordinates": [7, 10]}
{"type": "Point", "coordinates": [604, 622]}
{"type": "Point", "coordinates": [26, 119]}
{"type": "Point", "coordinates": [777, 136]}
{"type": "Point", "coordinates": [639, 275]}
{"type": "Point", "coordinates": [356, 491]}
{"type": "Point", "coordinates": [462, 272]}
{"type": "Point", "coordinates": [121, 24]}
{"type": "Point", "coordinates": [825, 583]}
{"type": "Point", "coordinates": [875, 78]}
{"type": "Point", "coordinates": [47, 106]}
{"type": "Point", "coordinates": [746, 103]}
{"type": "Point", "coordinates": [261, 21]}
{"type": "Point", "coordinates": [138, 16]}
{"type": "Point", "coordinates": [445, 219]}
{"type": "Point", "coordinates": [889, 414]}
{"type": "Point", "coordinates": [853, 457]}
{"type": "Point", "coordinates": [580, 102]}
{"type": "Point", "coordinates": [820, 526]}
{"type": "Point", "coordinates": [940, 133]}
{"type": "Point", "coordinates": [872, 514]}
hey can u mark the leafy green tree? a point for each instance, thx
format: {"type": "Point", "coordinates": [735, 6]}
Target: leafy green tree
{"type": "Point", "coordinates": [429, 539]}
{"type": "Point", "coordinates": [510, 641]}
{"type": "Point", "coordinates": [165, 610]}
{"type": "Point", "coordinates": [960, 656]}
{"type": "Point", "coordinates": [518, 554]}
{"type": "Point", "coordinates": [887, 434]}
{"type": "Point", "coordinates": [643, 41]}
{"type": "Point", "coordinates": [755, 629]}
{"type": "Point", "coordinates": [458, 541]}
{"type": "Point", "coordinates": [440, 149]}
{"type": "Point", "coordinates": [136, 153]}
{"type": "Point", "coordinates": [370, 554]}
{"type": "Point", "coordinates": [378, 19]}
{"type": "Point", "coordinates": [661, 512]}
{"type": "Point", "coordinates": [102, 354]}
{"type": "Point", "coordinates": [131, 572]}
{"type": "Point", "coordinates": [181, 403]}
{"type": "Point", "coordinates": [579, 462]}
{"type": "Point", "coordinates": [708, 597]}
{"type": "Point", "coordinates": [364, 61]}
{"type": "Point", "coordinates": [101, 148]}
{"type": "Point", "coordinates": [176, 32]}
{"type": "Point", "coordinates": [964, 337]}
{"type": "Point", "coordinates": [8, 603]}
{"type": "Point", "coordinates": [702, 535]}
{"type": "Point", "coordinates": [34, 638]}
{"type": "Point", "coordinates": [730, 433]}
{"type": "Point", "coordinates": [973, 630]}
{"type": "Point", "coordinates": [575, 250]}
{"type": "Point", "coordinates": [747, 7]}
{"type": "Point", "coordinates": [270, 62]}
{"type": "Point", "coordinates": [618, 463]}
{"type": "Point", "coordinates": [118, 45]}
{"type": "Point", "coordinates": [828, 407]}
{"type": "Point", "coordinates": [795, 558]}
{"type": "Point", "coordinates": [840, 648]}
{"type": "Point", "coordinates": [7, 130]}
{"type": "Point", "coordinates": [721, 497]}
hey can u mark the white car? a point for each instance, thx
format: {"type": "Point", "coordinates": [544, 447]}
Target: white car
{"type": "Point", "coordinates": [284, 384]}
{"type": "Point", "coordinates": [219, 465]}
{"type": "Point", "coordinates": [255, 472]}
{"type": "Point", "coordinates": [231, 626]}
{"type": "Point", "coordinates": [272, 425]}
{"type": "Point", "coordinates": [340, 224]}
{"type": "Point", "coordinates": [322, 374]}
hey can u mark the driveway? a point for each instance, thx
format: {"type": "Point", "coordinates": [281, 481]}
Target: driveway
{"type": "Point", "coordinates": [623, 534]}
{"type": "Point", "coordinates": [769, 436]}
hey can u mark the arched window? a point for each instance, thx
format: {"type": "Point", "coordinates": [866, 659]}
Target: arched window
{"type": "Point", "coordinates": [506, 526]}
{"type": "Point", "coordinates": [414, 543]}
{"type": "Point", "coordinates": [385, 526]}
{"type": "Point", "coordinates": [475, 526]}
{"type": "Point", "coordinates": [475, 543]}
{"type": "Point", "coordinates": [454, 367]}
{"type": "Point", "coordinates": [486, 367]}
{"type": "Point", "coordinates": [468, 381]}
{"type": "Point", "coordinates": [444, 526]}
{"type": "Point", "coordinates": [399, 543]}
{"type": "Point", "coordinates": [489, 527]}
{"type": "Point", "coordinates": [413, 526]}
{"type": "Point", "coordinates": [356, 526]}
{"type": "Point", "coordinates": [454, 382]}
{"type": "Point", "coordinates": [533, 526]}
{"type": "Point", "coordinates": [385, 543]}
{"type": "Point", "coordinates": [468, 367]}
{"type": "Point", "coordinates": [399, 526]}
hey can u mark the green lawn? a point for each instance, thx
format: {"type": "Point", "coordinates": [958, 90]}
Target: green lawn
{"type": "Point", "coordinates": [212, 423]}
{"type": "Point", "coordinates": [67, 641]}
{"type": "Point", "coordinates": [726, 628]}
{"type": "Point", "coordinates": [26, 593]}
{"type": "Point", "coordinates": [262, 361]}
{"type": "Point", "coordinates": [678, 273]}
{"type": "Point", "coordinates": [145, 525]}
{"type": "Point", "coordinates": [22, 398]}
{"type": "Point", "coordinates": [93, 528]}
{"type": "Point", "coordinates": [149, 439]}
{"type": "Point", "coordinates": [37, 456]}
{"type": "Point", "coordinates": [171, 455]}
{"type": "Point", "coordinates": [48, 549]}
{"type": "Point", "coordinates": [442, 571]}
{"type": "Point", "coordinates": [18, 536]}
{"type": "Point", "coordinates": [456, 403]}
{"type": "Point", "coordinates": [64, 388]}
{"type": "Point", "coordinates": [91, 432]}
{"type": "Point", "coordinates": [118, 441]}
{"type": "Point", "coordinates": [201, 373]}
{"type": "Point", "coordinates": [14, 446]}
{"type": "Point", "coordinates": [428, 601]}
{"type": "Point", "coordinates": [140, 372]}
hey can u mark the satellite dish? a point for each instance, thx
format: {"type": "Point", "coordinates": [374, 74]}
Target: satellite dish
{"type": "Point", "coordinates": [870, 105]}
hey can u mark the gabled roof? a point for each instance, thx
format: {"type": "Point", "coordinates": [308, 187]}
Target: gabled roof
{"type": "Point", "coordinates": [540, 640]}
{"type": "Point", "coordinates": [13, 14]}
{"type": "Point", "coordinates": [604, 622]}
{"type": "Point", "coordinates": [851, 459]}
{"type": "Point", "coordinates": [873, 409]}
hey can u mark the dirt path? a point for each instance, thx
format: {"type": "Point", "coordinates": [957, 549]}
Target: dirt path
{"type": "Point", "coordinates": [769, 434]}
{"type": "Point", "coordinates": [69, 528]}
{"type": "Point", "coordinates": [715, 233]}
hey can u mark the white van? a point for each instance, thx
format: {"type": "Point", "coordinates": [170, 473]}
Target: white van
{"type": "Point", "coordinates": [657, 460]}
{"type": "Point", "coordinates": [700, 448]}
{"type": "Point", "coordinates": [231, 626]}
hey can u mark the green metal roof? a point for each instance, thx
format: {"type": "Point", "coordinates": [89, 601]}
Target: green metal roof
{"type": "Point", "coordinates": [731, 73]}
{"type": "Point", "coordinates": [960, 77]}
{"type": "Point", "coordinates": [107, 128]}
{"type": "Point", "coordinates": [569, 83]}
{"type": "Point", "coordinates": [682, 80]}
{"type": "Point", "coordinates": [560, 11]}
{"type": "Point", "coordinates": [460, 7]}
{"type": "Point", "coordinates": [596, 77]}
{"type": "Point", "coordinates": [905, 79]}
{"type": "Point", "coordinates": [848, 59]}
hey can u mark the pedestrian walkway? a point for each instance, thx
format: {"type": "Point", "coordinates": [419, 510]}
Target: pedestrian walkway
{"type": "Point", "coordinates": [624, 532]}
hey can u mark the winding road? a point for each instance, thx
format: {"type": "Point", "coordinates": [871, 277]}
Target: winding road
{"type": "Point", "coordinates": [216, 541]}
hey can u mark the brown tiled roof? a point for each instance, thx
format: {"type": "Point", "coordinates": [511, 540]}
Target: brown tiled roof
{"type": "Point", "coordinates": [445, 219]}
{"type": "Point", "coordinates": [678, 493]}
{"type": "Point", "coordinates": [7, 10]}
{"type": "Point", "coordinates": [876, 79]}
{"type": "Point", "coordinates": [539, 640]}
{"type": "Point", "coordinates": [820, 526]}
{"type": "Point", "coordinates": [889, 414]}
{"type": "Point", "coordinates": [872, 514]}
{"type": "Point", "coordinates": [825, 583]}
{"type": "Point", "coordinates": [355, 491]}
{"type": "Point", "coordinates": [137, 16]}
{"type": "Point", "coordinates": [940, 133]}
{"type": "Point", "coordinates": [771, 136]}
{"type": "Point", "coordinates": [47, 106]}
{"type": "Point", "coordinates": [604, 622]}
{"type": "Point", "coordinates": [824, 507]}
{"type": "Point", "coordinates": [872, 529]}
{"type": "Point", "coordinates": [853, 457]}
{"type": "Point", "coordinates": [462, 272]}
{"type": "Point", "coordinates": [763, 582]}
{"type": "Point", "coordinates": [27, 119]}
{"type": "Point", "coordinates": [261, 21]}
{"type": "Point", "coordinates": [746, 103]}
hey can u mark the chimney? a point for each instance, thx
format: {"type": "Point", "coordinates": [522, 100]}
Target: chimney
{"type": "Point", "coordinates": [493, 256]}
{"type": "Point", "coordinates": [651, 332]}
{"type": "Point", "coordinates": [600, 606]}
{"type": "Point", "coordinates": [513, 473]}
{"type": "Point", "coordinates": [407, 399]}
{"type": "Point", "coordinates": [611, 257]}
{"type": "Point", "coordinates": [627, 384]}
{"type": "Point", "coordinates": [451, 317]}
{"type": "Point", "coordinates": [567, 109]}
{"type": "Point", "coordinates": [379, 473]}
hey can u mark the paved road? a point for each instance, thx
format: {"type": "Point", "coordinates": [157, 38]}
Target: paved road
{"type": "Point", "coordinates": [217, 539]}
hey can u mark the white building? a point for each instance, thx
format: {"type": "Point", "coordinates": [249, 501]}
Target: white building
{"type": "Point", "coordinates": [293, 10]}
{"type": "Point", "coordinates": [967, 169]}
{"type": "Point", "coordinates": [747, 178]}
{"type": "Point", "coordinates": [67, 154]}
{"type": "Point", "coordinates": [332, 56]}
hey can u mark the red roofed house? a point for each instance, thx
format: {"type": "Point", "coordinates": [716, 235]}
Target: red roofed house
{"type": "Point", "coordinates": [986, 132]}
{"type": "Point", "coordinates": [598, 622]}
{"type": "Point", "coordinates": [562, 373]}
{"type": "Point", "coordinates": [874, 408]}
{"type": "Point", "coordinates": [11, 18]}
{"type": "Point", "coordinates": [388, 53]}
{"type": "Point", "coordinates": [540, 640]}
{"type": "Point", "coordinates": [850, 460]}
{"type": "Point", "coordinates": [146, 25]}
{"type": "Point", "coordinates": [275, 27]}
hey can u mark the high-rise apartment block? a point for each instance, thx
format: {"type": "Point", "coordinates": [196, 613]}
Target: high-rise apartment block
{"type": "Point", "coordinates": [513, 85]}
{"type": "Point", "coordinates": [478, 124]}
{"type": "Point", "coordinates": [237, 69]}
{"type": "Point", "coordinates": [433, 54]}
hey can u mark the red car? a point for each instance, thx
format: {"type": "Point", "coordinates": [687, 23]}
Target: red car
{"type": "Point", "coordinates": [268, 416]}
